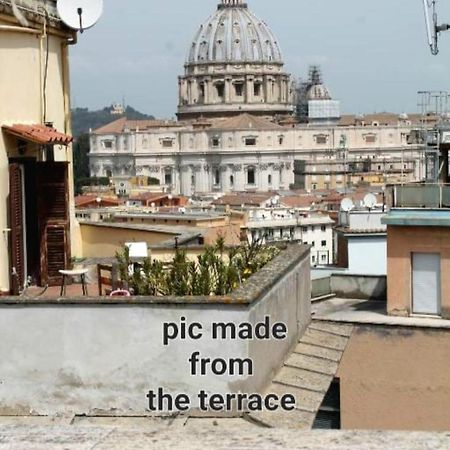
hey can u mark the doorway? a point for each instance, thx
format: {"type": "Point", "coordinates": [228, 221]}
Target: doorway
{"type": "Point", "coordinates": [39, 222]}
{"type": "Point", "coordinates": [426, 283]}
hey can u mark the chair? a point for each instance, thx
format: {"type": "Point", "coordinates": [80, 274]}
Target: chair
{"type": "Point", "coordinates": [106, 276]}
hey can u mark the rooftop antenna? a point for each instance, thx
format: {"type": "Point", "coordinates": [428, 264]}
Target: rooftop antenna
{"type": "Point", "coordinates": [80, 14]}
{"type": "Point", "coordinates": [431, 22]}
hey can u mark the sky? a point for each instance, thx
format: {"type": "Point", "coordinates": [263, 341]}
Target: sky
{"type": "Point", "coordinates": [374, 54]}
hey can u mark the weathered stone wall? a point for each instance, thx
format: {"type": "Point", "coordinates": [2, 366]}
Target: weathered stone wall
{"type": "Point", "coordinates": [86, 356]}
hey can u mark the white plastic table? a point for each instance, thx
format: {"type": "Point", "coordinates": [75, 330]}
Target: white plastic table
{"type": "Point", "coordinates": [74, 273]}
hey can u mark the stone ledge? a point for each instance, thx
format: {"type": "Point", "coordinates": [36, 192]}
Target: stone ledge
{"type": "Point", "coordinates": [217, 435]}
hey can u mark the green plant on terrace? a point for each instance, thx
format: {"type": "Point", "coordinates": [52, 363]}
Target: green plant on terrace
{"type": "Point", "coordinates": [217, 271]}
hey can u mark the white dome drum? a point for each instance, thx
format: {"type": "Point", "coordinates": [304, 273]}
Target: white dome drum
{"type": "Point", "coordinates": [234, 66]}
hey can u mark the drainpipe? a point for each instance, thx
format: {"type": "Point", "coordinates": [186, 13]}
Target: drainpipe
{"type": "Point", "coordinates": [20, 29]}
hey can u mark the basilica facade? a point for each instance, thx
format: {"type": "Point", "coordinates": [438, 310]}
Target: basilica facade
{"type": "Point", "coordinates": [236, 131]}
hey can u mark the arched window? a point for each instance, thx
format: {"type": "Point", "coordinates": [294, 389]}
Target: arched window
{"type": "Point", "coordinates": [232, 180]}
{"type": "Point", "coordinates": [270, 180]}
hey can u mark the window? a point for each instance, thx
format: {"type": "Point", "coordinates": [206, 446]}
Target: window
{"type": "Point", "coordinates": [167, 143]}
{"type": "Point", "coordinates": [250, 141]}
{"type": "Point", "coordinates": [370, 138]}
{"type": "Point", "coordinates": [231, 180]}
{"type": "Point", "coordinates": [323, 228]}
{"type": "Point", "coordinates": [270, 180]}
{"type": "Point", "coordinates": [216, 177]}
{"type": "Point", "coordinates": [313, 258]}
{"type": "Point", "coordinates": [323, 258]}
{"type": "Point", "coordinates": [251, 178]}
{"type": "Point", "coordinates": [321, 139]}
{"type": "Point", "coordinates": [215, 141]}
{"type": "Point", "coordinates": [202, 91]}
{"type": "Point", "coordinates": [305, 229]}
{"type": "Point", "coordinates": [280, 140]}
{"type": "Point", "coordinates": [324, 243]}
{"type": "Point", "coordinates": [168, 176]}
{"type": "Point", "coordinates": [220, 89]}
{"type": "Point", "coordinates": [107, 144]}
{"type": "Point", "coordinates": [239, 89]}
{"type": "Point", "coordinates": [313, 244]}
{"type": "Point", "coordinates": [257, 89]}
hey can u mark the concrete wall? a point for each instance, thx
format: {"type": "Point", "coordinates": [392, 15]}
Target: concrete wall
{"type": "Point", "coordinates": [22, 59]}
{"type": "Point", "coordinates": [91, 356]}
{"type": "Point", "coordinates": [359, 287]}
{"type": "Point", "coordinates": [402, 243]}
{"type": "Point", "coordinates": [396, 379]}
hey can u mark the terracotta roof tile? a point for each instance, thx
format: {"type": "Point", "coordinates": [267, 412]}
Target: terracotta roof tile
{"type": "Point", "coordinates": [39, 134]}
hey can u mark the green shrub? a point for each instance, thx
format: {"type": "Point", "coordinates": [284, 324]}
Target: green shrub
{"type": "Point", "coordinates": [217, 271]}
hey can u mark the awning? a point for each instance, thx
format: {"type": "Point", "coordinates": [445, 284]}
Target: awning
{"type": "Point", "coordinates": [39, 134]}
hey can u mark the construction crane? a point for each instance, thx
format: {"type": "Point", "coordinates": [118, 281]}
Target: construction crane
{"type": "Point", "coordinates": [432, 24]}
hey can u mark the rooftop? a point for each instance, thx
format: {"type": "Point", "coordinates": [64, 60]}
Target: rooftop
{"type": "Point", "coordinates": [371, 312]}
{"type": "Point", "coordinates": [418, 217]}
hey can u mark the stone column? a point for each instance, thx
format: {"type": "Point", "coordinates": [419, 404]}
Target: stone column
{"type": "Point", "coordinates": [186, 181]}
{"type": "Point", "coordinates": [249, 89]}
{"type": "Point", "coordinates": [276, 176]}
{"type": "Point", "coordinates": [207, 84]}
{"type": "Point", "coordinates": [239, 178]}
{"type": "Point", "coordinates": [228, 88]}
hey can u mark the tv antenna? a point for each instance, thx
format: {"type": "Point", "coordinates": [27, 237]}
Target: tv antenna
{"type": "Point", "coordinates": [432, 24]}
{"type": "Point", "coordinates": [80, 14]}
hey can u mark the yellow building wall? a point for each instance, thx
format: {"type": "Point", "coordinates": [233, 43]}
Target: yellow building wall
{"type": "Point", "coordinates": [22, 62]}
{"type": "Point", "coordinates": [104, 242]}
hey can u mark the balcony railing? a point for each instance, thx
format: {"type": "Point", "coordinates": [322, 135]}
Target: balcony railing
{"type": "Point", "coordinates": [432, 196]}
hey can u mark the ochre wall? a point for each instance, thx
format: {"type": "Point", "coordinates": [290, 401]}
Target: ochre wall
{"type": "Point", "coordinates": [396, 379]}
{"type": "Point", "coordinates": [402, 242]}
{"type": "Point", "coordinates": [104, 242]}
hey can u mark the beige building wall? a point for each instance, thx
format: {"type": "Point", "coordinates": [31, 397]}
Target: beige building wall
{"type": "Point", "coordinates": [22, 56]}
{"type": "Point", "coordinates": [101, 241]}
{"type": "Point", "coordinates": [402, 243]}
{"type": "Point", "coordinates": [396, 379]}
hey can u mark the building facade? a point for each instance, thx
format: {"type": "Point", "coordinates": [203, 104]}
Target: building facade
{"type": "Point", "coordinates": [36, 194]}
{"type": "Point", "coordinates": [236, 131]}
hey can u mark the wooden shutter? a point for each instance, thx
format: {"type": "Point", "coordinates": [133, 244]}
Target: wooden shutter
{"type": "Point", "coordinates": [16, 219]}
{"type": "Point", "coordinates": [54, 224]}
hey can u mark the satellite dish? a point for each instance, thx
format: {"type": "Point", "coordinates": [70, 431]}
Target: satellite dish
{"type": "Point", "coordinates": [431, 23]}
{"type": "Point", "coordinates": [347, 204]}
{"type": "Point", "coordinates": [80, 14]}
{"type": "Point", "coordinates": [370, 201]}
